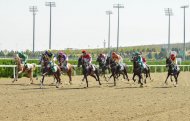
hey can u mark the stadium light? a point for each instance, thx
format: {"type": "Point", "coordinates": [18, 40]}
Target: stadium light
{"type": "Point", "coordinates": [184, 50]}
{"type": "Point", "coordinates": [118, 6]}
{"type": "Point", "coordinates": [109, 13]}
{"type": "Point", "coordinates": [169, 13]}
{"type": "Point", "coordinates": [50, 4]}
{"type": "Point", "coordinates": [34, 10]}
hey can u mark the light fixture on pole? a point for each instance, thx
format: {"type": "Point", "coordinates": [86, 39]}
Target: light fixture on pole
{"type": "Point", "coordinates": [109, 13]}
{"type": "Point", "coordinates": [50, 4]}
{"type": "Point", "coordinates": [184, 50]}
{"type": "Point", "coordinates": [169, 13]}
{"type": "Point", "coordinates": [118, 6]}
{"type": "Point", "coordinates": [33, 9]}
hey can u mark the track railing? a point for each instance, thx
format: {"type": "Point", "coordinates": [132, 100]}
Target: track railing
{"type": "Point", "coordinates": [182, 67]}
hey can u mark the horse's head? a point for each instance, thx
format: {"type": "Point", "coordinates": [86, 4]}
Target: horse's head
{"type": "Point", "coordinates": [168, 62]}
{"type": "Point", "coordinates": [100, 61]}
{"type": "Point", "coordinates": [110, 62]}
{"type": "Point", "coordinates": [17, 59]}
{"type": "Point", "coordinates": [80, 61]}
{"type": "Point", "coordinates": [136, 64]}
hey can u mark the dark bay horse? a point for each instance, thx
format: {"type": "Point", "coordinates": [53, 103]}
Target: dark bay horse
{"type": "Point", "coordinates": [46, 70]}
{"type": "Point", "coordinates": [115, 70]}
{"type": "Point", "coordinates": [86, 70]}
{"type": "Point", "coordinates": [102, 67]}
{"type": "Point", "coordinates": [172, 71]}
{"type": "Point", "coordinates": [138, 71]}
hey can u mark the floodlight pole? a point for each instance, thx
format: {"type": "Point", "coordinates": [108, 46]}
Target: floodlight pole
{"type": "Point", "coordinates": [50, 4]}
{"type": "Point", "coordinates": [33, 9]}
{"type": "Point", "coordinates": [168, 12]}
{"type": "Point", "coordinates": [184, 50]}
{"type": "Point", "coordinates": [109, 13]}
{"type": "Point", "coordinates": [118, 6]}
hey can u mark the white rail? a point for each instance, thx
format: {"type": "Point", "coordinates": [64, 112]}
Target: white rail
{"type": "Point", "coordinates": [155, 69]}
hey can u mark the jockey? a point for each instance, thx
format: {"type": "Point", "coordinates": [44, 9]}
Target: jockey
{"type": "Point", "coordinates": [51, 60]}
{"type": "Point", "coordinates": [63, 60]}
{"type": "Point", "coordinates": [87, 59]}
{"type": "Point", "coordinates": [141, 60]}
{"type": "Point", "coordinates": [174, 60]}
{"type": "Point", "coordinates": [50, 55]}
{"type": "Point", "coordinates": [103, 57]}
{"type": "Point", "coordinates": [23, 57]}
{"type": "Point", "coordinates": [118, 59]}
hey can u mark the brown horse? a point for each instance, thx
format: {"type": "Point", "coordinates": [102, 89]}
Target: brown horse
{"type": "Point", "coordinates": [22, 69]}
{"type": "Point", "coordinates": [46, 70]}
{"type": "Point", "coordinates": [69, 70]}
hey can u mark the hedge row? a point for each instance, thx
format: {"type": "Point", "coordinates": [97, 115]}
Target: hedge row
{"type": "Point", "coordinates": [8, 72]}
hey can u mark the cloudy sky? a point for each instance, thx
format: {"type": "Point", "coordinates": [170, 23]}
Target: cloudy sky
{"type": "Point", "coordinates": [84, 24]}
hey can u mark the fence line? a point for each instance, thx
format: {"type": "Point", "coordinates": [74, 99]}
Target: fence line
{"type": "Point", "coordinates": [155, 69]}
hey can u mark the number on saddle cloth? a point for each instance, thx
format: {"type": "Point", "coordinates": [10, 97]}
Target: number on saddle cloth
{"type": "Point", "coordinates": [53, 66]}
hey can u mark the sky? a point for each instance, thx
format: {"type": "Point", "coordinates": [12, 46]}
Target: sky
{"type": "Point", "coordinates": [84, 24]}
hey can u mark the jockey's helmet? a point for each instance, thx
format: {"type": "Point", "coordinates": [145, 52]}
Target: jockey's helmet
{"type": "Point", "coordinates": [60, 53]}
{"type": "Point", "coordinates": [137, 53]}
{"type": "Point", "coordinates": [172, 55]}
{"type": "Point", "coordinates": [114, 53]}
{"type": "Point", "coordinates": [20, 53]}
{"type": "Point", "coordinates": [49, 51]}
{"type": "Point", "coordinates": [84, 51]}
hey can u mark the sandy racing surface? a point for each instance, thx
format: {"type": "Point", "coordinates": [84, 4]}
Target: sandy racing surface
{"type": "Point", "coordinates": [125, 102]}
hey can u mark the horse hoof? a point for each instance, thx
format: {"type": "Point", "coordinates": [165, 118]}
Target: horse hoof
{"type": "Point", "coordinates": [70, 83]}
{"type": "Point", "coordinates": [141, 85]}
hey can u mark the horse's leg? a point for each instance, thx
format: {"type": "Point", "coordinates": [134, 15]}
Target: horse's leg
{"type": "Point", "coordinates": [97, 75]}
{"type": "Point", "coordinates": [110, 77]}
{"type": "Point", "coordinates": [134, 77]}
{"type": "Point", "coordinates": [140, 78]}
{"type": "Point", "coordinates": [125, 71]}
{"type": "Point", "coordinates": [31, 76]}
{"type": "Point", "coordinates": [86, 80]}
{"type": "Point", "coordinates": [171, 78]}
{"type": "Point", "coordinates": [175, 83]}
{"type": "Point", "coordinates": [104, 74]}
{"type": "Point", "coordinates": [114, 77]}
{"type": "Point", "coordinates": [167, 78]}
{"type": "Point", "coordinates": [146, 76]}
{"type": "Point", "coordinates": [149, 73]}
{"type": "Point", "coordinates": [69, 73]}
{"type": "Point", "coordinates": [16, 75]}
{"type": "Point", "coordinates": [56, 77]}
{"type": "Point", "coordinates": [42, 81]}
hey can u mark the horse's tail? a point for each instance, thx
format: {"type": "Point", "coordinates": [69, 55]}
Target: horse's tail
{"type": "Point", "coordinates": [34, 66]}
{"type": "Point", "coordinates": [73, 67]}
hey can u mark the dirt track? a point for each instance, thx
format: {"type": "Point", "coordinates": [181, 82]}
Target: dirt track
{"type": "Point", "coordinates": [125, 102]}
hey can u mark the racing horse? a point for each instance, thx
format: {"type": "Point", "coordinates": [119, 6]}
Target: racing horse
{"type": "Point", "coordinates": [103, 67]}
{"type": "Point", "coordinates": [67, 70]}
{"type": "Point", "coordinates": [21, 68]}
{"type": "Point", "coordinates": [86, 70]}
{"type": "Point", "coordinates": [115, 70]}
{"type": "Point", "coordinates": [46, 70]}
{"type": "Point", "coordinates": [171, 71]}
{"type": "Point", "coordinates": [138, 71]}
